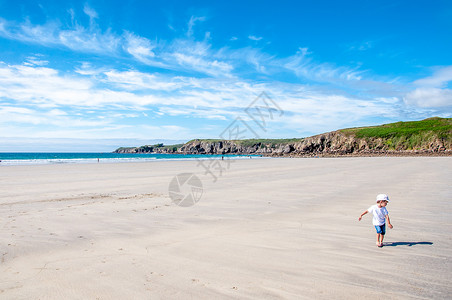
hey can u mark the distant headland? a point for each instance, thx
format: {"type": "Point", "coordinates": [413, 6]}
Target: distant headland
{"type": "Point", "coordinates": [431, 136]}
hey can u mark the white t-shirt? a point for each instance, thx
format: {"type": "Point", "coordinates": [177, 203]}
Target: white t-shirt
{"type": "Point", "coordinates": [379, 214]}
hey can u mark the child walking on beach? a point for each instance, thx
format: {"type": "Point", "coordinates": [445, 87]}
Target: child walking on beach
{"type": "Point", "coordinates": [380, 216]}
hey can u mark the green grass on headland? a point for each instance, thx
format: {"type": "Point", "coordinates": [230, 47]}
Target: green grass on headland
{"type": "Point", "coordinates": [409, 135]}
{"type": "Point", "coordinates": [437, 125]}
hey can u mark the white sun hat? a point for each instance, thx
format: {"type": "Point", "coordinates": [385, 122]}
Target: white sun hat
{"type": "Point", "coordinates": [382, 197]}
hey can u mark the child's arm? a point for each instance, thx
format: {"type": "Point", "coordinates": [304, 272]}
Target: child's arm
{"type": "Point", "coordinates": [389, 222]}
{"type": "Point", "coordinates": [360, 217]}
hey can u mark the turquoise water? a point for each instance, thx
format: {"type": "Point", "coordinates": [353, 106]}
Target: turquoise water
{"type": "Point", "coordinates": [62, 158]}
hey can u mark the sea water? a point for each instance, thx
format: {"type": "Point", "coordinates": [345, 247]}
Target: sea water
{"type": "Point", "coordinates": [64, 158]}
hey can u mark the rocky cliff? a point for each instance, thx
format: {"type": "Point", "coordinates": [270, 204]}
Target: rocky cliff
{"type": "Point", "coordinates": [428, 137]}
{"type": "Point", "coordinates": [159, 148]}
{"type": "Point", "coordinates": [327, 144]}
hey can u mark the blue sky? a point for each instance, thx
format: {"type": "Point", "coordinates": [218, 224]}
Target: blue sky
{"type": "Point", "coordinates": [137, 72]}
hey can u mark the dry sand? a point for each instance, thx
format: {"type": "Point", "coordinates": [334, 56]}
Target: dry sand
{"type": "Point", "coordinates": [266, 229]}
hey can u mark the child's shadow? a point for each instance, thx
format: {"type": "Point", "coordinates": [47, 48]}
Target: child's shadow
{"type": "Point", "coordinates": [409, 244]}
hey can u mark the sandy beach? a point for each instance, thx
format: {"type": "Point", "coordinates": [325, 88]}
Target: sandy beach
{"type": "Point", "coordinates": [265, 229]}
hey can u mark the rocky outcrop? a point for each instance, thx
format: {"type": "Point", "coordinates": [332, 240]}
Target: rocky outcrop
{"type": "Point", "coordinates": [428, 137]}
{"type": "Point", "coordinates": [327, 144]}
{"type": "Point", "coordinates": [222, 147]}
{"type": "Point", "coordinates": [149, 149]}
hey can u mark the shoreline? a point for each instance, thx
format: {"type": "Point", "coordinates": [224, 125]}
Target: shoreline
{"type": "Point", "coordinates": [126, 159]}
{"type": "Point", "coordinates": [145, 157]}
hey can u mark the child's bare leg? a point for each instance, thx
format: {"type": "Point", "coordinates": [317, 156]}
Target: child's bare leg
{"type": "Point", "coordinates": [378, 239]}
{"type": "Point", "coordinates": [382, 236]}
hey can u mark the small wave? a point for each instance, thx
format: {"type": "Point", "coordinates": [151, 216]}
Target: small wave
{"type": "Point", "coordinates": [52, 161]}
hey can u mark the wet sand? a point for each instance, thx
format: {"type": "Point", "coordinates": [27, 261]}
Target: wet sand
{"type": "Point", "coordinates": [265, 229]}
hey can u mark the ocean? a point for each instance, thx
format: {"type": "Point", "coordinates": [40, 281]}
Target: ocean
{"type": "Point", "coordinates": [76, 158]}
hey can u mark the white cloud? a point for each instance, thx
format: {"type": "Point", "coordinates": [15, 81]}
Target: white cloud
{"type": "Point", "coordinates": [41, 144]}
{"type": "Point", "coordinates": [135, 81]}
{"type": "Point", "coordinates": [3, 30]}
{"type": "Point", "coordinates": [255, 38]}
{"type": "Point", "coordinates": [57, 118]}
{"type": "Point", "coordinates": [365, 46]}
{"type": "Point", "coordinates": [84, 40]}
{"type": "Point", "coordinates": [35, 61]}
{"type": "Point", "coordinates": [180, 54]}
{"type": "Point", "coordinates": [139, 47]}
{"type": "Point", "coordinates": [57, 112]}
{"type": "Point", "coordinates": [303, 66]}
{"type": "Point", "coordinates": [72, 13]}
{"type": "Point", "coordinates": [77, 38]}
{"type": "Point", "coordinates": [259, 60]}
{"type": "Point", "coordinates": [429, 97]}
{"type": "Point", "coordinates": [191, 56]}
{"type": "Point", "coordinates": [191, 24]}
{"type": "Point", "coordinates": [198, 63]}
{"type": "Point", "coordinates": [439, 78]}
{"type": "Point", "coordinates": [313, 112]}
{"type": "Point", "coordinates": [45, 87]}
{"type": "Point", "coordinates": [431, 91]}
{"type": "Point", "coordinates": [87, 69]}
{"type": "Point", "coordinates": [91, 104]}
{"type": "Point", "coordinates": [41, 34]}
{"type": "Point", "coordinates": [37, 85]}
{"type": "Point", "coordinates": [210, 114]}
{"type": "Point", "coordinates": [362, 46]}
{"type": "Point", "coordinates": [90, 12]}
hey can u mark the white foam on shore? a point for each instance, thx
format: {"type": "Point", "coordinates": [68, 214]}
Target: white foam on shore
{"type": "Point", "coordinates": [18, 162]}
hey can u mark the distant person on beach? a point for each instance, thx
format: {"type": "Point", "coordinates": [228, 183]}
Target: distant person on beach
{"type": "Point", "coordinates": [380, 217]}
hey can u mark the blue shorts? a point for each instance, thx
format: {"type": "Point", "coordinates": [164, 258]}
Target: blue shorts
{"type": "Point", "coordinates": [381, 229]}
